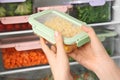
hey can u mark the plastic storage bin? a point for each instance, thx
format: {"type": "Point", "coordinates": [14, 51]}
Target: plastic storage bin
{"type": "Point", "coordinates": [78, 72]}
{"type": "Point", "coordinates": [12, 59]}
{"type": "Point", "coordinates": [117, 60]}
{"type": "Point", "coordinates": [46, 22]}
{"type": "Point", "coordinates": [108, 39]}
{"type": "Point", "coordinates": [15, 8]}
{"type": "Point", "coordinates": [91, 13]}
{"type": "Point", "coordinates": [14, 27]}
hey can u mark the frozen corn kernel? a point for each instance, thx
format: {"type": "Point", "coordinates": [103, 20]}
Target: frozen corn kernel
{"type": "Point", "coordinates": [65, 27]}
{"type": "Point", "coordinates": [69, 48]}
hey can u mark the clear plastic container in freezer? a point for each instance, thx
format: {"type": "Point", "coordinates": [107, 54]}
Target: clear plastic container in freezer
{"type": "Point", "coordinates": [88, 13]}
{"type": "Point", "coordinates": [78, 72]}
{"type": "Point", "coordinates": [14, 27]}
{"type": "Point", "coordinates": [13, 59]}
{"type": "Point", "coordinates": [117, 60]}
{"type": "Point", "coordinates": [45, 23]}
{"type": "Point", "coordinates": [15, 8]}
{"type": "Point", "coordinates": [108, 39]}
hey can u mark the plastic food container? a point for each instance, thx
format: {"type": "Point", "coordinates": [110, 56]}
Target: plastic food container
{"type": "Point", "coordinates": [92, 12]}
{"type": "Point", "coordinates": [77, 71]}
{"type": "Point", "coordinates": [117, 60]}
{"type": "Point", "coordinates": [108, 39]}
{"type": "Point", "coordinates": [14, 27]}
{"type": "Point", "coordinates": [46, 22]}
{"type": "Point", "coordinates": [15, 8]}
{"type": "Point", "coordinates": [13, 59]}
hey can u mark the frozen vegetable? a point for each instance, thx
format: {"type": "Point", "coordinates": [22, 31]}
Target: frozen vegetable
{"type": "Point", "coordinates": [2, 12]}
{"type": "Point", "coordinates": [24, 8]}
{"type": "Point", "coordinates": [16, 9]}
{"type": "Point", "coordinates": [14, 59]}
{"type": "Point", "coordinates": [65, 27]}
{"type": "Point", "coordinates": [84, 75]}
{"type": "Point", "coordinates": [90, 14]}
{"type": "Point", "coordinates": [10, 7]}
{"type": "Point", "coordinates": [77, 75]}
{"type": "Point", "coordinates": [14, 27]}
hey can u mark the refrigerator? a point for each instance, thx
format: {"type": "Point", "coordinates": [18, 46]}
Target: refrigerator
{"type": "Point", "coordinates": [21, 56]}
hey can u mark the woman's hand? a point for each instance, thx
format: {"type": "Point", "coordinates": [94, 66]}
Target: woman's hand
{"type": "Point", "coordinates": [94, 57]}
{"type": "Point", "coordinates": [58, 60]}
{"type": "Point", "coordinates": [89, 54]}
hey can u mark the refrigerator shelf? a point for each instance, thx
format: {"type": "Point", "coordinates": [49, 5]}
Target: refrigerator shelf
{"type": "Point", "coordinates": [29, 69]}
{"type": "Point", "coordinates": [4, 34]}
{"type": "Point", "coordinates": [105, 23]}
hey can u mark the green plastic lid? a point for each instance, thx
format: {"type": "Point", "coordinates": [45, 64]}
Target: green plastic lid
{"type": "Point", "coordinates": [45, 23]}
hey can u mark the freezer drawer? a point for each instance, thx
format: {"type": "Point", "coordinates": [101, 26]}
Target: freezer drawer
{"type": "Point", "coordinates": [10, 8]}
{"type": "Point", "coordinates": [92, 14]}
{"type": "Point", "coordinates": [14, 27]}
{"type": "Point", "coordinates": [78, 72]}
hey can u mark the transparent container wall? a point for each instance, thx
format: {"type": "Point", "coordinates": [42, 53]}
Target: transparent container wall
{"type": "Point", "coordinates": [11, 59]}
{"type": "Point", "coordinates": [46, 3]}
{"type": "Point", "coordinates": [109, 41]}
{"type": "Point", "coordinates": [16, 9]}
{"type": "Point", "coordinates": [109, 44]}
{"type": "Point", "coordinates": [14, 27]}
{"type": "Point", "coordinates": [59, 23]}
{"type": "Point", "coordinates": [30, 75]}
{"type": "Point", "coordinates": [49, 16]}
{"type": "Point", "coordinates": [117, 60]}
{"type": "Point", "coordinates": [92, 14]}
{"type": "Point", "coordinates": [78, 72]}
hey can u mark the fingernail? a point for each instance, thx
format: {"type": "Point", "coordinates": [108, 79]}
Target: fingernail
{"type": "Point", "coordinates": [56, 33]}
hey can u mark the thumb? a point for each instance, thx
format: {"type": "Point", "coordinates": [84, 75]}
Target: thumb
{"type": "Point", "coordinates": [59, 42]}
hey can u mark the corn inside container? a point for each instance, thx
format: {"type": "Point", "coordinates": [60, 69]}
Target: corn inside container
{"type": "Point", "coordinates": [45, 23]}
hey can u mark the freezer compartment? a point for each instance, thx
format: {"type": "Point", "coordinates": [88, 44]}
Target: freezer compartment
{"type": "Point", "coordinates": [14, 27]}
{"type": "Point", "coordinates": [77, 71]}
{"type": "Point", "coordinates": [92, 14]}
{"type": "Point", "coordinates": [13, 59]}
{"type": "Point", "coordinates": [15, 8]}
{"type": "Point", "coordinates": [18, 55]}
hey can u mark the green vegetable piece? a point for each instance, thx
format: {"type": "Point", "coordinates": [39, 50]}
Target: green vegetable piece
{"type": "Point", "coordinates": [90, 14]}
{"type": "Point", "coordinates": [2, 12]}
{"type": "Point", "coordinates": [24, 8]}
{"type": "Point", "coordinates": [10, 7]}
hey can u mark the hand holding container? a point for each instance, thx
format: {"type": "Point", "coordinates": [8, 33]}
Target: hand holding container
{"type": "Point", "coordinates": [45, 23]}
